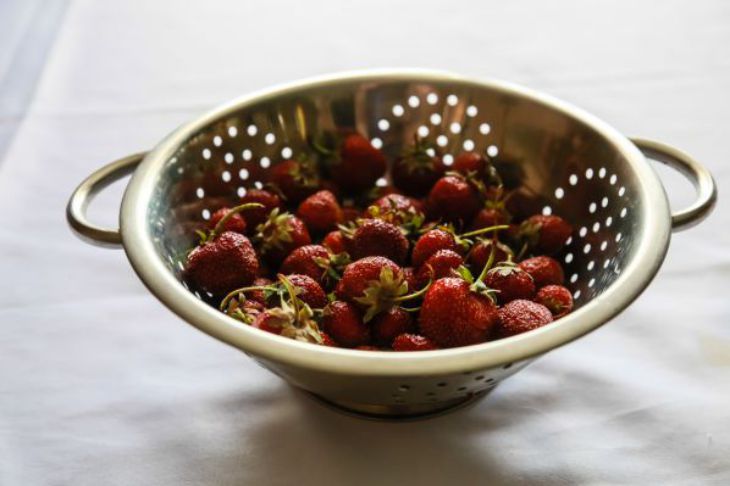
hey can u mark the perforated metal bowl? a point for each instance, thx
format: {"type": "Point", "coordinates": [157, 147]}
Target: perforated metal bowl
{"type": "Point", "coordinates": [570, 163]}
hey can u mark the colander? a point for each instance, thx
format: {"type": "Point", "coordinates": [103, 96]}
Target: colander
{"type": "Point", "coordinates": [568, 162]}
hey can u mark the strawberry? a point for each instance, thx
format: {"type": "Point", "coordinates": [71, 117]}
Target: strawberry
{"type": "Point", "coordinates": [543, 270]}
{"type": "Point", "coordinates": [467, 162]}
{"type": "Point", "coordinates": [457, 313]}
{"type": "Point", "coordinates": [431, 242]}
{"type": "Point", "coordinates": [556, 298]}
{"type": "Point", "coordinates": [320, 212]}
{"type": "Point", "coordinates": [480, 251]}
{"type": "Point", "coordinates": [257, 215]}
{"type": "Point", "coordinates": [235, 223]}
{"type": "Point", "coordinates": [242, 309]}
{"type": "Point", "coordinates": [413, 342]}
{"type": "Point", "coordinates": [375, 237]}
{"type": "Point", "coordinates": [281, 234]}
{"type": "Point", "coordinates": [397, 209]}
{"type": "Point", "coordinates": [350, 213]}
{"type": "Point", "coordinates": [342, 321]}
{"type": "Point", "coordinates": [327, 340]}
{"type": "Point", "coordinates": [308, 291]}
{"type": "Point", "coordinates": [307, 260]}
{"type": "Point", "coordinates": [521, 316]}
{"type": "Point", "coordinates": [546, 234]}
{"type": "Point", "coordinates": [258, 295]}
{"type": "Point", "coordinates": [389, 324]}
{"type": "Point", "coordinates": [438, 265]}
{"type": "Point", "coordinates": [409, 275]}
{"type": "Point", "coordinates": [453, 199]}
{"type": "Point", "coordinates": [335, 241]}
{"type": "Point", "coordinates": [415, 172]}
{"type": "Point", "coordinates": [491, 216]}
{"type": "Point", "coordinates": [222, 264]}
{"type": "Point", "coordinates": [295, 179]}
{"type": "Point", "coordinates": [357, 164]}
{"type": "Point", "coordinates": [510, 281]}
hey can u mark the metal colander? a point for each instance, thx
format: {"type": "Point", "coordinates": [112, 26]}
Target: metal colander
{"type": "Point", "coordinates": [567, 161]}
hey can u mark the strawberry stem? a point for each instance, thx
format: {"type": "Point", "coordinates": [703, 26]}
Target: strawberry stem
{"type": "Point", "coordinates": [487, 265]}
{"type": "Point", "coordinates": [292, 293]}
{"type": "Point", "coordinates": [414, 295]}
{"type": "Point", "coordinates": [222, 223]}
{"type": "Point", "coordinates": [484, 230]}
{"type": "Point", "coordinates": [242, 290]}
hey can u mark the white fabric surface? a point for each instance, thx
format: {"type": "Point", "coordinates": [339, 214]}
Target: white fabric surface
{"type": "Point", "coordinates": [99, 384]}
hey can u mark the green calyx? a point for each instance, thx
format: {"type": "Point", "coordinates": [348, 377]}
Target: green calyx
{"type": "Point", "coordinates": [333, 266]}
{"type": "Point", "coordinates": [275, 231]}
{"type": "Point", "coordinates": [294, 317]}
{"type": "Point", "coordinates": [416, 157]}
{"type": "Point", "coordinates": [220, 226]}
{"type": "Point", "coordinates": [382, 294]}
{"type": "Point", "coordinates": [477, 285]}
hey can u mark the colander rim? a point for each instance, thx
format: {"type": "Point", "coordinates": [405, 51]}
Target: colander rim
{"type": "Point", "coordinates": [628, 286]}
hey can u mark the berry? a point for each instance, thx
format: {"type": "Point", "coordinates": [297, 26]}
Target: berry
{"type": "Point", "coordinates": [389, 324]}
{"type": "Point", "coordinates": [546, 234]}
{"type": "Point", "coordinates": [320, 212]}
{"type": "Point", "coordinates": [310, 260]}
{"type": "Point", "coordinates": [359, 165]}
{"type": "Point", "coordinates": [235, 223]}
{"type": "Point", "coordinates": [481, 250]}
{"type": "Point", "coordinates": [259, 295]}
{"type": "Point", "coordinates": [438, 265]}
{"type": "Point", "coordinates": [409, 275]}
{"type": "Point", "coordinates": [222, 264]}
{"type": "Point", "coordinates": [327, 340]}
{"type": "Point", "coordinates": [256, 216]}
{"type": "Point", "coordinates": [521, 316]}
{"type": "Point", "coordinates": [431, 242]}
{"type": "Point", "coordinates": [511, 282]}
{"type": "Point", "coordinates": [556, 298]}
{"type": "Point", "coordinates": [308, 291]}
{"type": "Point", "coordinates": [416, 171]}
{"type": "Point", "coordinates": [489, 217]}
{"type": "Point", "coordinates": [543, 270]}
{"type": "Point", "coordinates": [335, 241]}
{"type": "Point", "coordinates": [342, 321]}
{"type": "Point", "coordinates": [281, 234]}
{"type": "Point", "coordinates": [453, 314]}
{"type": "Point", "coordinates": [295, 179]}
{"type": "Point", "coordinates": [453, 199]}
{"type": "Point", "coordinates": [375, 237]}
{"type": "Point", "coordinates": [396, 209]}
{"type": "Point", "coordinates": [413, 342]}
{"type": "Point", "coordinates": [467, 162]}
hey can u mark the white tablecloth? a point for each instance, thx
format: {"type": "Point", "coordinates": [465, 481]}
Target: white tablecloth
{"type": "Point", "coordinates": [99, 384]}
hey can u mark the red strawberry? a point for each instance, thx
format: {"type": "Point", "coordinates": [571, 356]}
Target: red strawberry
{"type": "Point", "coordinates": [327, 340]}
{"type": "Point", "coordinates": [543, 270]}
{"type": "Point", "coordinates": [222, 264]}
{"type": "Point", "coordinates": [396, 209]}
{"type": "Point", "coordinates": [521, 316]}
{"type": "Point", "coordinates": [547, 234]}
{"type": "Point", "coordinates": [235, 223]}
{"type": "Point", "coordinates": [389, 324]}
{"type": "Point", "coordinates": [409, 275]}
{"type": "Point", "coordinates": [342, 321]}
{"type": "Point", "coordinates": [481, 250]}
{"type": "Point", "coordinates": [307, 260]}
{"type": "Point", "coordinates": [259, 295]}
{"type": "Point", "coordinates": [289, 321]}
{"type": "Point", "coordinates": [308, 291]}
{"type": "Point", "coordinates": [438, 265]}
{"type": "Point", "coordinates": [375, 237]}
{"type": "Point", "coordinates": [359, 165]}
{"type": "Point", "coordinates": [350, 213]}
{"type": "Point", "coordinates": [359, 274]}
{"type": "Point", "coordinates": [281, 234]}
{"type": "Point", "coordinates": [413, 342]}
{"type": "Point", "coordinates": [415, 172]}
{"type": "Point", "coordinates": [431, 242]}
{"type": "Point", "coordinates": [470, 162]}
{"type": "Point", "coordinates": [335, 241]}
{"type": "Point", "coordinates": [556, 298]}
{"type": "Point", "coordinates": [295, 179]}
{"type": "Point", "coordinates": [511, 281]}
{"type": "Point", "coordinates": [489, 217]}
{"type": "Point", "coordinates": [256, 216]}
{"type": "Point", "coordinates": [453, 199]}
{"type": "Point", "coordinates": [244, 310]}
{"type": "Point", "coordinates": [454, 314]}
{"type": "Point", "coordinates": [320, 212]}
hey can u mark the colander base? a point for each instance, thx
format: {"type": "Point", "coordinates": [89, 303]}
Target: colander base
{"type": "Point", "coordinates": [398, 413]}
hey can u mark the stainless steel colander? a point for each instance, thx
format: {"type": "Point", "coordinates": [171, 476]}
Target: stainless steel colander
{"type": "Point", "coordinates": [568, 162]}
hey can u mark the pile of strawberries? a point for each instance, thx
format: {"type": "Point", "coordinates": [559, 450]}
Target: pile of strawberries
{"type": "Point", "coordinates": [323, 254]}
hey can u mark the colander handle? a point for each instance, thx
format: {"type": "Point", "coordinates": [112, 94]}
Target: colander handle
{"type": "Point", "coordinates": [698, 174]}
{"type": "Point", "coordinates": [87, 190]}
